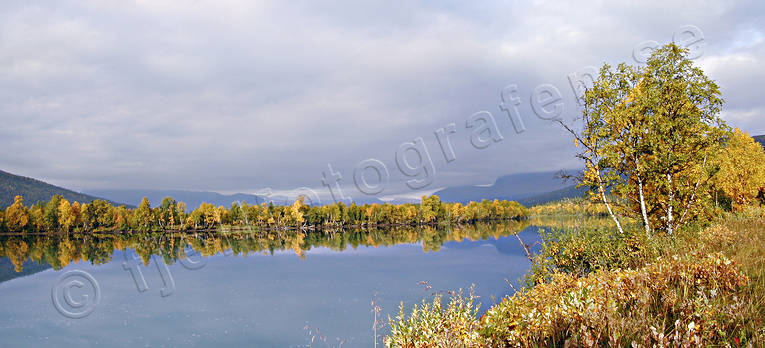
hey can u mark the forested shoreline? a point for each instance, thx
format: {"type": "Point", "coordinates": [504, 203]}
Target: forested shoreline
{"type": "Point", "coordinates": [59, 215]}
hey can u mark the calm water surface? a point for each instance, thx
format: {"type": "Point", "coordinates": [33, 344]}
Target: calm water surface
{"type": "Point", "coordinates": [265, 291]}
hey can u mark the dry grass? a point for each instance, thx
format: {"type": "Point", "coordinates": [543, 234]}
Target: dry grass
{"type": "Point", "coordinates": [741, 237]}
{"type": "Point", "coordinates": [704, 287]}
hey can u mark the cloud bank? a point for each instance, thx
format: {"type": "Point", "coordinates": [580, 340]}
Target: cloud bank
{"type": "Point", "coordinates": [241, 95]}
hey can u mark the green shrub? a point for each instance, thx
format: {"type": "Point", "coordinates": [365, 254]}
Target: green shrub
{"type": "Point", "coordinates": [579, 251]}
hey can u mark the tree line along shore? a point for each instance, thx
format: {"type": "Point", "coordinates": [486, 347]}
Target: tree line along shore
{"type": "Point", "coordinates": [59, 215]}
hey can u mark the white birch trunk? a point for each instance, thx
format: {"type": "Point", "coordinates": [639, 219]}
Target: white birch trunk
{"type": "Point", "coordinates": [670, 218]}
{"type": "Point", "coordinates": [605, 201]}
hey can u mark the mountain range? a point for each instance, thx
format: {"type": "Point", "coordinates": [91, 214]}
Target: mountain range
{"type": "Point", "coordinates": [528, 189]}
{"type": "Point", "coordinates": [192, 198]}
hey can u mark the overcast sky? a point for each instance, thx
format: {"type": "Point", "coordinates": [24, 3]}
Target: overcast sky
{"type": "Point", "coordinates": [243, 95]}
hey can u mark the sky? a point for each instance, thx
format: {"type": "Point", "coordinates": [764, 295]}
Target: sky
{"type": "Point", "coordinates": [249, 96]}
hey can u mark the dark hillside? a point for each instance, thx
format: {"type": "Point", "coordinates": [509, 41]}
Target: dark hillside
{"type": "Point", "coordinates": [34, 191]}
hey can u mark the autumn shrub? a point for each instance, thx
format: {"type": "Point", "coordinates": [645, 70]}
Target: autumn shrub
{"type": "Point", "coordinates": [430, 325]}
{"type": "Point", "coordinates": [686, 300]}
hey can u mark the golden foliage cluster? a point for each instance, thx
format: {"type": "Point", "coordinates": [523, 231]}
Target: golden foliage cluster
{"type": "Point", "coordinates": [740, 179]}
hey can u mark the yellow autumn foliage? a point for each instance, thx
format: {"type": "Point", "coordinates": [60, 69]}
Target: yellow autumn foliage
{"type": "Point", "coordinates": [741, 175]}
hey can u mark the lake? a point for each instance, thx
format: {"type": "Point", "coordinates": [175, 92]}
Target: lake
{"type": "Point", "coordinates": [254, 289]}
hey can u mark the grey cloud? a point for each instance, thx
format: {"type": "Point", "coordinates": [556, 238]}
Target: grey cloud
{"type": "Point", "coordinates": [240, 95]}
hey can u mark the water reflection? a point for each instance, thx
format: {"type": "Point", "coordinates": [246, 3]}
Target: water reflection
{"type": "Point", "coordinates": [259, 300]}
{"type": "Point", "coordinates": [59, 250]}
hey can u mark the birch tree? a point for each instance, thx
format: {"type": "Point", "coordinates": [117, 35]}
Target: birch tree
{"type": "Point", "coordinates": [645, 135]}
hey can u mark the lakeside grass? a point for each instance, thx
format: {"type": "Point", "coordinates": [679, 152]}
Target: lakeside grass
{"type": "Point", "coordinates": [593, 287]}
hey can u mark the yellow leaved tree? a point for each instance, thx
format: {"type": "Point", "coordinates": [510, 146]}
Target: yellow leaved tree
{"type": "Point", "coordinates": [66, 216]}
{"type": "Point", "coordinates": [16, 216]}
{"type": "Point", "coordinates": [741, 176]}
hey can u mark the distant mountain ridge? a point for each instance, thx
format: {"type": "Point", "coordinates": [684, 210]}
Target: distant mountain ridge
{"type": "Point", "coordinates": [514, 187]}
{"type": "Point", "coordinates": [552, 196]}
{"type": "Point", "coordinates": [192, 198]}
{"type": "Point", "coordinates": [760, 139]}
{"type": "Point", "coordinates": [34, 191]}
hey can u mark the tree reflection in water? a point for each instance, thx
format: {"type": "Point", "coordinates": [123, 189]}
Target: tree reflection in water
{"type": "Point", "coordinates": [59, 250]}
